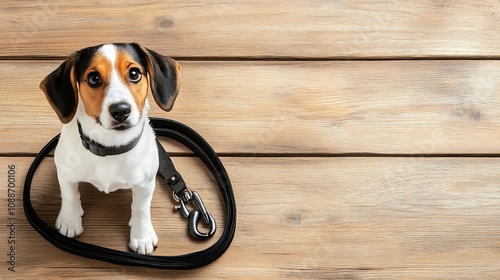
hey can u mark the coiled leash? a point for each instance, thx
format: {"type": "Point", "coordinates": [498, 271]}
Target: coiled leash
{"type": "Point", "coordinates": [191, 139]}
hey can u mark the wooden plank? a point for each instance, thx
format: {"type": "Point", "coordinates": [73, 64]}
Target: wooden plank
{"type": "Point", "coordinates": [409, 107]}
{"type": "Point", "coordinates": [356, 218]}
{"type": "Point", "coordinates": [307, 29]}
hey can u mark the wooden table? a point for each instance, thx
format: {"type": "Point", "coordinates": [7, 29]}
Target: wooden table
{"type": "Point", "coordinates": [362, 137]}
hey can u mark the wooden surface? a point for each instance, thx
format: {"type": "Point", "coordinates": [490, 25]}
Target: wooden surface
{"type": "Point", "coordinates": [361, 136]}
{"type": "Point", "coordinates": [310, 29]}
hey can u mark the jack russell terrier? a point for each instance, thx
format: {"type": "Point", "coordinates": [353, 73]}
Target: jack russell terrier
{"type": "Point", "coordinates": [99, 94]}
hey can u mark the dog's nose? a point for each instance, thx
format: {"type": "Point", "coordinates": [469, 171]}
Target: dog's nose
{"type": "Point", "coordinates": [120, 111]}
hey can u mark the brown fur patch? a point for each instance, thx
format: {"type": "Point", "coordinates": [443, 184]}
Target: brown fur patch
{"type": "Point", "coordinates": [92, 98]}
{"type": "Point", "coordinates": [139, 91]}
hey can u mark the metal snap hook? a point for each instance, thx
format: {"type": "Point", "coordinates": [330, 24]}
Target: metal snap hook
{"type": "Point", "coordinates": [194, 218]}
{"type": "Point", "coordinates": [195, 215]}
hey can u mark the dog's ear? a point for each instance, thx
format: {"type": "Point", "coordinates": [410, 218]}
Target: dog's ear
{"type": "Point", "coordinates": [164, 77]}
{"type": "Point", "coordinates": [61, 89]}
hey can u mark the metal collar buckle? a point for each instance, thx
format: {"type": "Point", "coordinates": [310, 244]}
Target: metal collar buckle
{"type": "Point", "coordinates": [194, 216]}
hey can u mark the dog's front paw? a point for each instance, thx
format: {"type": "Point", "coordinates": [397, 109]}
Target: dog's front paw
{"type": "Point", "coordinates": [143, 239]}
{"type": "Point", "coordinates": [69, 221]}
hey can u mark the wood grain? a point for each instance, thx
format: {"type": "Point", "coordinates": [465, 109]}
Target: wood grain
{"type": "Point", "coordinates": [301, 29]}
{"type": "Point", "coordinates": [386, 107]}
{"type": "Point", "coordinates": [314, 105]}
{"type": "Point", "coordinates": [355, 218]}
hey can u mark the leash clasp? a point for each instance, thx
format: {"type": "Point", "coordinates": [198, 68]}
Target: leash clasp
{"type": "Point", "coordinates": [195, 215]}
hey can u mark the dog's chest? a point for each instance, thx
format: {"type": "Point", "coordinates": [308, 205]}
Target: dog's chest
{"type": "Point", "coordinates": [108, 178]}
{"type": "Point", "coordinates": [107, 188]}
{"type": "Point", "coordinates": [108, 181]}
{"type": "Point", "coordinates": [109, 175]}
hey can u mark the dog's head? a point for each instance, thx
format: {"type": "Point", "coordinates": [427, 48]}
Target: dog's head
{"type": "Point", "coordinates": [112, 82]}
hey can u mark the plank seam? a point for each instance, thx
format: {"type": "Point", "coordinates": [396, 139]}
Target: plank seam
{"type": "Point", "coordinates": [308, 155]}
{"type": "Point", "coordinates": [278, 58]}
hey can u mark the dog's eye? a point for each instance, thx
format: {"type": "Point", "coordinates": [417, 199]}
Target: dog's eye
{"type": "Point", "coordinates": [93, 79]}
{"type": "Point", "coordinates": [134, 75]}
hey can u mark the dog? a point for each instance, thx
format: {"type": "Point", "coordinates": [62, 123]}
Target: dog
{"type": "Point", "coordinates": [100, 95]}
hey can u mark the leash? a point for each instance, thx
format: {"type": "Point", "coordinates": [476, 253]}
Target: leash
{"type": "Point", "coordinates": [182, 194]}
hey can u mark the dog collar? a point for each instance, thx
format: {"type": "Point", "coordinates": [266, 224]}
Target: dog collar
{"type": "Point", "coordinates": [100, 150]}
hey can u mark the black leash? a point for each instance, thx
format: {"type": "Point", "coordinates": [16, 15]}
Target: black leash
{"type": "Point", "coordinates": [182, 194]}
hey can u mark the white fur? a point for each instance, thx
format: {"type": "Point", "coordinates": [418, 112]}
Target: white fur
{"type": "Point", "coordinates": [116, 90]}
{"type": "Point", "coordinates": [135, 170]}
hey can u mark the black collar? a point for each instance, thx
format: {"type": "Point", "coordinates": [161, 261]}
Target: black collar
{"type": "Point", "coordinates": [101, 150]}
